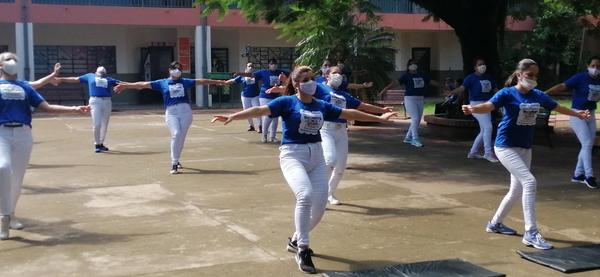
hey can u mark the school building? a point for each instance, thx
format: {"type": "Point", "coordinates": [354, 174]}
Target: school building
{"type": "Point", "coordinates": [137, 39]}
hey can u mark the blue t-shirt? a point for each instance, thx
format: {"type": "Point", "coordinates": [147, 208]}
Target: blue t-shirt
{"type": "Point", "coordinates": [174, 91]}
{"type": "Point", "coordinates": [480, 87]}
{"type": "Point", "coordinates": [414, 84]}
{"type": "Point", "coordinates": [97, 86]}
{"type": "Point", "coordinates": [320, 79]}
{"type": "Point", "coordinates": [269, 79]}
{"type": "Point", "coordinates": [302, 122]}
{"type": "Point", "coordinates": [520, 116]}
{"type": "Point", "coordinates": [249, 86]}
{"type": "Point", "coordinates": [338, 98]}
{"type": "Point", "coordinates": [586, 91]}
{"type": "Point", "coordinates": [16, 100]}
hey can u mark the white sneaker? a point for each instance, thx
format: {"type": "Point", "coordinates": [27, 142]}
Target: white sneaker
{"type": "Point", "coordinates": [174, 169]}
{"type": "Point", "coordinates": [273, 140]}
{"type": "Point", "coordinates": [16, 224]}
{"type": "Point", "coordinates": [334, 201]}
{"type": "Point", "coordinates": [263, 139]}
{"type": "Point", "coordinates": [491, 158]}
{"type": "Point", "coordinates": [474, 156]}
{"type": "Point", "coordinates": [4, 227]}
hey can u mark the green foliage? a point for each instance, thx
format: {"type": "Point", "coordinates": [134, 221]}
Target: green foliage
{"type": "Point", "coordinates": [335, 29]}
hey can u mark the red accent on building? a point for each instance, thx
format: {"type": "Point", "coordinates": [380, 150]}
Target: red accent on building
{"type": "Point", "coordinates": [10, 13]}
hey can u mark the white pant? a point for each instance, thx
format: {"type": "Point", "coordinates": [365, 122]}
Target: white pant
{"type": "Point", "coordinates": [179, 118]}
{"type": "Point", "coordinates": [335, 149]}
{"type": "Point", "coordinates": [304, 169]}
{"type": "Point", "coordinates": [267, 121]}
{"type": "Point", "coordinates": [101, 109]}
{"type": "Point", "coordinates": [414, 108]}
{"type": "Point", "coordinates": [586, 133]}
{"type": "Point", "coordinates": [15, 150]}
{"type": "Point", "coordinates": [522, 184]}
{"type": "Point", "coordinates": [249, 102]}
{"type": "Point", "coordinates": [485, 131]}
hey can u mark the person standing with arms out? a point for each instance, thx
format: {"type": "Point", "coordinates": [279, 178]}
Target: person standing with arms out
{"type": "Point", "coordinates": [268, 78]}
{"type": "Point", "coordinates": [521, 102]}
{"type": "Point", "coordinates": [301, 158]}
{"type": "Point", "coordinates": [16, 99]}
{"type": "Point", "coordinates": [481, 87]}
{"type": "Point", "coordinates": [415, 84]}
{"type": "Point", "coordinates": [335, 133]}
{"type": "Point", "coordinates": [178, 114]}
{"type": "Point", "coordinates": [586, 93]}
{"type": "Point", "coordinates": [100, 88]}
{"type": "Point", "coordinates": [249, 94]}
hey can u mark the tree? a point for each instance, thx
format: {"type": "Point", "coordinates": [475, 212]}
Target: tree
{"type": "Point", "coordinates": [333, 29]}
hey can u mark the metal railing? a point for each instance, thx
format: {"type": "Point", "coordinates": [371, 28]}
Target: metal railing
{"type": "Point", "coordinates": [123, 3]}
{"type": "Point", "coordinates": [398, 6]}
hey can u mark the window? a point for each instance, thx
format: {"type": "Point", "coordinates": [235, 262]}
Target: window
{"type": "Point", "coordinates": [74, 59]}
{"type": "Point", "coordinates": [284, 55]}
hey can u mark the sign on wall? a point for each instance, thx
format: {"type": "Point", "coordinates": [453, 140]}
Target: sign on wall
{"type": "Point", "coordinates": [184, 48]}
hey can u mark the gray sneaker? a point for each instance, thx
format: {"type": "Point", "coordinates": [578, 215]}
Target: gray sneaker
{"type": "Point", "coordinates": [500, 229]}
{"type": "Point", "coordinates": [535, 239]}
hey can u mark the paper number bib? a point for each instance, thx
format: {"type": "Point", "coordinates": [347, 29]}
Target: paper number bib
{"type": "Point", "coordinates": [176, 90]}
{"type": "Point", "coordinates": [486, 86]}
{"type": "Point", "coordinates": [418, 82]}
{"type": "Point", "coordinates": [310, 122]}
{"type": "Point", "coordinates": [528, 114]}
{"type": "Point", "coordinates": [249, 81]}
{"type": "Point", "coordinates": [101, 82]}
{"type": "Point", "coordinates": [594, 93]}
{"type": "Point", "coordinates": [12, 92]}
{"type": "Point", "coordinates": [338, 100]}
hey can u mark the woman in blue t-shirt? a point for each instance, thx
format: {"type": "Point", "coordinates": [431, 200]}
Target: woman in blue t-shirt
{"type": "Point", "coordinates": [415, 85]}
{"type": "Point", "coordinates": [481, 87]}
{"type": "Point", "coordinates": [586, 92]}
{"type": "Point", "coordinates": [178, 114]}
{"type": "Point", "coordinates": [16, 99]}
{"type": "Point", "coordinates": [249, 94]}
{"type": "Point", "coordinates": [301, 158]}
{"type": "Point", "coordinates": [100, 88]}
{"type": "Point", "coordinates": [521, 102]}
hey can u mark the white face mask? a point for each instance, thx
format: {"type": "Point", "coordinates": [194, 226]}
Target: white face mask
{"type": "Point", "coordinates": [175, 73]}
{"type": "Point", "coordinates": [324, 70]}
{"type": "Point", "coordinates": [308, 87]}
{"type": "Point", "coordinates": [413, 67]}
{"type": "Point", "coordinates": [528, 84]}
{"type": "Point", "coordinates": [101, 71]}
{"type": "Point", "coordinates": [481, 69]}
{"type": "Point", "coordinates": [335, 80]}
{"type": "Point", "coordinates": [594, 72]}
{"type": "Point", "coordinates": [272, 66]}
{"type": "Point", "coordinates": [11, 67]}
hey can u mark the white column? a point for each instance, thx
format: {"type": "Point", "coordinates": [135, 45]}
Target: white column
{"type": "Point", "coordinates": [24, 50]}
{"type": "Point", "coordinates": [202, 61]}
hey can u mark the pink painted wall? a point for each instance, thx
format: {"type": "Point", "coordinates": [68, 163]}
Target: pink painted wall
{"type": "Point", "coordinates": [10, 12]}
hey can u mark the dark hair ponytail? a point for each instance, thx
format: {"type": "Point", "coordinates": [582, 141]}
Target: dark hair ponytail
{"type": "Point", "coordinates": [523, 65]}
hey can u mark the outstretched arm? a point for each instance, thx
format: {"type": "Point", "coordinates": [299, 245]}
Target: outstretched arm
{"type": "Point", "coordinates": [557, 89]}
{"type": "Point", "coordinates": [38, 84]}
{"type": "Point", "coordinates": [481, 108]}
{"type": "Point", "coordinates": [45, 107]}
{"type": "Point", "coordinates": [200, 82]}
{"type": "Point", "coordinates": [68, 80]}
{"type": "Point", "coordinates": [374, 109]}
{"type": "Point", "coordinates": [137, 86]}
{"type": "Point", "coordinates": [245, 114]}
{"type": "Point", "coordinates": [349, 114]}
{"type": "Point", "coordinates": [360, 86]}
{"type": "Point", "coordinates": [579, 114]}
{"type": "Point", "coordinates": [230, 81]}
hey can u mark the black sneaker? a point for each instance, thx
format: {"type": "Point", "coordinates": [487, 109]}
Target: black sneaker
{"type": "Point", "coordinates": [179, 166]}
{"type": "Point", "coordinates": [259, 130]}
{"type": "Point", "coordinates": [104, 148]}
{"type": "Point", "coordinates": [591, 182]}
{"type": "Point", "coordinates": [292, 246]}
{"type": "Point", "coordinates": [251, 129]}
{"type": "Point", "coordinates": [174, 169]}
{"type": "Point", "coordinates": [305, 263]}
{"type": "Point", "coordinates": [98, 149]}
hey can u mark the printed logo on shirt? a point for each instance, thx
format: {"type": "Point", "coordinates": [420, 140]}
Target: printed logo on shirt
{"type": "Point", "coordinates": [337, 100]}
{"type": "Point", "coordinates": [176, 90]}
{"type": "Point", "coordinates": [273, 81]}
{"type": "Point", "coordinates": [594, 93]}
{"type": "Point", "coordinates": [249, 80]}
{"type": "Point", "coordinates": [101, 82]}
{"type": "Point", "coordinates": [12, 92]}
{"type": "Point", "coordinates": [528, 114]}
{"type": "Point", "coordinates": [486, 86]}
{"type": "Point", "coordinates": [310, 122]}
{"type": "Point", "coordinates": [418, 82]}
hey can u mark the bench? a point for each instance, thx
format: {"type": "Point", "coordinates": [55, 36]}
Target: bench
{"type": "Point", "coordinates": [392, 97]}
{"type": "Point", "coordinates": [66, 93]}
